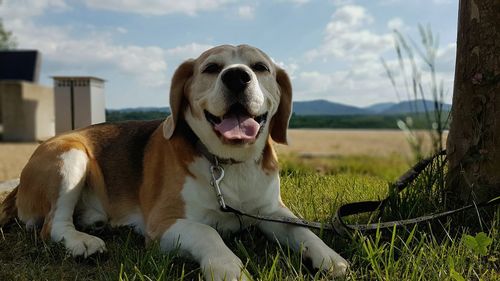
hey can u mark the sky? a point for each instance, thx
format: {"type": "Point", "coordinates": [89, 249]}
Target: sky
{"type": "Point", "coordinates": [331, 49]}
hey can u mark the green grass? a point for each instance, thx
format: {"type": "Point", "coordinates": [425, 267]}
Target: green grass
{"type": "Point", "coordinates": [435, 251]}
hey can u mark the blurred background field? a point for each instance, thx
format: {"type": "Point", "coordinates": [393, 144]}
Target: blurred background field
{"type": "Point", "coordinates": [13, 157]}
{"type": "Point", "coordinates": [326, 151]}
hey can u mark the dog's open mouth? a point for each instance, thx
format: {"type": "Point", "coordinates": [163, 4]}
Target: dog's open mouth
{"type": "Point", "coordinates": [237, 125]}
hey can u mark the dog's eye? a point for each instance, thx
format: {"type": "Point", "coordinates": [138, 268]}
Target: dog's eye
{"type": "Point", "coordinates": [260, 67]}
{"type": "Point", "coordinates": [212, 68]}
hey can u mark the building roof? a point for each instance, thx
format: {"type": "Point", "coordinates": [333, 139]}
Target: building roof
{"type": "Point", "coordinates": [78, 78]}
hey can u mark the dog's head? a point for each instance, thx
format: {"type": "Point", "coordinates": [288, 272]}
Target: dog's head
{"type": "Point", "coordinates": [232, 97]}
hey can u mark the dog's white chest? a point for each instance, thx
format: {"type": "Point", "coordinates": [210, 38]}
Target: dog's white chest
{"type": "Point", "coordinates": [245, 187]}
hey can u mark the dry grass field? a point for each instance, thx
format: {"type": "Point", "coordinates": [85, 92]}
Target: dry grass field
{"type": "Point", "coordinates": [304, 143]}
{"type": "Point", "coordinates": [331, 143]}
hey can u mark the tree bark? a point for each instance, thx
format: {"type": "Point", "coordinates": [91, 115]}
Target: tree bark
{"type": "Point", "coordinates": [474, 139]}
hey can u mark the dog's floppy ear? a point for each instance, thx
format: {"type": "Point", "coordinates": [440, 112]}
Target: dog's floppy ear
{"type": "Point", "coordinates": [279, 123]}
{"type": "Point", "coordinates": [183, 73]}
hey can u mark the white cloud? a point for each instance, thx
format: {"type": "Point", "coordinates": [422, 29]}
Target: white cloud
{"type": "Point", "coordinates": [433, 2]}
{"type": "Point", "coordinates": [188, 51]}
{"type": "Point", "coordinates": [16, 9]}
{"type": "Point", "coordinates": [389, 2]}
{"type": "Point", "coordinates": [175, 56]}
{"type": "Point", "coordinates": [316, 84]}
{"type": "Point", "coordinates": [361, 87]}
{"type": "Point", "coordinates": [342, 2]}
{"type": "Point", "coordinates": [445, 58]}
{"type": "Point", "coordinates": [122, 30]}
{"type": "Point", "coordinates": [363, 77]}
{"type": "Point", "coordinates": [85, 54]}
{"type": "Point", "coordinates": [246, 12]}
{"type": "Point", "coordinates": [442, 2]}
{"type": "Point", "coordinates": [396, 24]}
{"type": "Point", "coordinates": [347, 18]}
{"type": "Point", "coordinates": [157, 7]}
{"type": "Point", "coordinates": [145, 64]}
{"type": "Point", "coordinates": [349, 41]}
{"type": "Point", "coordinates": [448, 52]}
{"type": "Point", "coordinates": [295, 2]}
{"type": "Point", "coordinates": [94, 54]}
{"type": "Point", "coordinates": [347, 37]}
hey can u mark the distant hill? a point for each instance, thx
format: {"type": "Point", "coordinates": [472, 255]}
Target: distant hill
{"type": "Point", "coordinates": [319, 114]}
{"type": "Point", "coordinates": [380, 107]}
{"type": "Point", "coordinates": [324, 107]}
{"type": "Point", "coordinates": [417, 106]}
{"type": "Point", "coordinates": [304, 108]}
{"type": "Point", "coordinates": [328, 108]}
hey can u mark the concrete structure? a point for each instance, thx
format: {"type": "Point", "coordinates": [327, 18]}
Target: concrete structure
{"type": "Point", "coordinates": [27, 111]}
{"type": "Point", "coordinates": [19, 65]}
{"type": "Point", "coordinates": [79, 102]}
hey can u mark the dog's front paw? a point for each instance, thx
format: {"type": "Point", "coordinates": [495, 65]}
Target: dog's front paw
{"type": "Point", "coordinates": [83, 244]}
{"type": "Point", "coordinates": [325, 259]}
{"type": "Point", "coordinates": [224, 269]}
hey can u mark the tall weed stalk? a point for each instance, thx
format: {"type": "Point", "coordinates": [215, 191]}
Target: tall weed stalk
{"type": "Point", "coordinates": [417, 82]}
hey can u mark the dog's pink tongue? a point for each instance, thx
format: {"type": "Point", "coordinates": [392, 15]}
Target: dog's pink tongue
{"type": "Point", "coordinates": [236, 127]}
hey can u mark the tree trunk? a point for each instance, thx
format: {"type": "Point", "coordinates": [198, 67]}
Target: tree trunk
{"type": "Point", "coordinates": [474, 139]}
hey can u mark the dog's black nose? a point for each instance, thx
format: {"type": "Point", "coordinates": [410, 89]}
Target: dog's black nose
{"type": "Point", "coordinates": [236, 79]}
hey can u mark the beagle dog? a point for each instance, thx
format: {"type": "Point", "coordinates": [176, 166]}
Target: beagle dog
{"type": "Point", "coordinates": [227, 105]}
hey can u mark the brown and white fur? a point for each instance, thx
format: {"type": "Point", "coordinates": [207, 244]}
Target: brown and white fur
{"type": "Point", "coordinates": [150, 176]}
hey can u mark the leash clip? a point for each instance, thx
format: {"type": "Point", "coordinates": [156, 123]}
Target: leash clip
{"type": "Point", "coordinates": [217, 173]}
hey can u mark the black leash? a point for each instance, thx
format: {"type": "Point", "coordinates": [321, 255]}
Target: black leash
{"type": "Point", "coordinates": [338, 224]}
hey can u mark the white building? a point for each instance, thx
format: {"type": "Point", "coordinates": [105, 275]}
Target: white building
{"type": "Point", "coordinates": [79, 102]}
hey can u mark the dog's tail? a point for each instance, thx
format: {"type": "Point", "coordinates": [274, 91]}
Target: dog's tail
{"type": "Point", "coordinates": [8, 208]}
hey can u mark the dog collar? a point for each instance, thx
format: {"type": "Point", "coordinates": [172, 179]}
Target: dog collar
{"type": "Point", "coordinates": [213, 159]}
